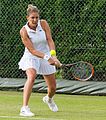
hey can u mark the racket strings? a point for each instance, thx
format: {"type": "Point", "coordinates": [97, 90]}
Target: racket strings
{"type": "Point", "coordinates": [81, 71]}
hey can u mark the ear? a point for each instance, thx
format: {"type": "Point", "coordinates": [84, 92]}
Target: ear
{"type": "Point", "coordinates": [27, 17]}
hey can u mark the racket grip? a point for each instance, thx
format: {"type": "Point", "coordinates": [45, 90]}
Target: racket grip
{"type": "Point", "coordinates": [61, 65]}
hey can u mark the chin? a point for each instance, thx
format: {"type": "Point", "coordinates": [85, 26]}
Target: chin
{"type": "Point", "coordinates": [35, 24]}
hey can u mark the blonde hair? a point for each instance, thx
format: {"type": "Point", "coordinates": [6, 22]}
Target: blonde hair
{"type": "Point", "coordinates": [31, 9]}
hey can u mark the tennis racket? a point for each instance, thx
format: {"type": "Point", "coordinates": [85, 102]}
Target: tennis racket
{"type": "Point", "coordinates": [81, 70]}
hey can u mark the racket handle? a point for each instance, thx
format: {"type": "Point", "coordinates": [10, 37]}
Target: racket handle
{"type": "Point", "coordinates": [61, 65]}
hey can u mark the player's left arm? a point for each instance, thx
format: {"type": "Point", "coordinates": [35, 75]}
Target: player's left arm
{"type": "Point", "coordinates": [51, 43]}
{"type": "Point", "coordinates": [47, 30]}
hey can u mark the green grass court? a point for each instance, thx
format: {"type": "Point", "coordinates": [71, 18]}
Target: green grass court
{"type": "Point", "coordinates": [71, 107]}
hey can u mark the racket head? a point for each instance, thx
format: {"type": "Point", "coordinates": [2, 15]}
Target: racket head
{"type": "Point", "coordinates": [81, 70]}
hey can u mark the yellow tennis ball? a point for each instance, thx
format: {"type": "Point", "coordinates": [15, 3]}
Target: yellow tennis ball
{"type": "Point", "coordinates": [53, 53]}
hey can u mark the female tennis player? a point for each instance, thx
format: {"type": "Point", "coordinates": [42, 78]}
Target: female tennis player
{"type": "Point", "coordinates": [39, 58]}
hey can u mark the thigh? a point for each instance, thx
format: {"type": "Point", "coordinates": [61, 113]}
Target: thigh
{"type": "Point", "coordinates": [31, 73]}
{"type": "Point", "coordinates": [50, 80]}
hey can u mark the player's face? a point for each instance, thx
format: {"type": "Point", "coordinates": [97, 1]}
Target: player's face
{"type": "Point", "coordinates": [33, 19]}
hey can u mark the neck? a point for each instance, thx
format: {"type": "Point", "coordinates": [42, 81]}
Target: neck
{"type": "Point", "coordinates": [32, 27]}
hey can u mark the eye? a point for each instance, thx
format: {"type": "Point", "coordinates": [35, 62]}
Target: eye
{"type": "Point", "coordinates": [32, 17]}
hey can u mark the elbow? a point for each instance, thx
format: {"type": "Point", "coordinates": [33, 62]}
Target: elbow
{"type": "Point", "coordinates": [32, 51]}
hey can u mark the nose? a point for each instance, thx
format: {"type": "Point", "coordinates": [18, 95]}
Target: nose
{"type": "Point", "coordinates": [35, 19]}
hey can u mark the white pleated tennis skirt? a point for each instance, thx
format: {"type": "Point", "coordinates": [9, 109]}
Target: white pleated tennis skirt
{"type": "Point", "coordinates": [40, 65]}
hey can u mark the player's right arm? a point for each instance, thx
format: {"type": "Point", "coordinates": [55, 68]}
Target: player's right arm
{"type": "Point", "coordinates": [28, 44]}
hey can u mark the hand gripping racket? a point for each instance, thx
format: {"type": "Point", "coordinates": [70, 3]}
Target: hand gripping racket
{"type": "Point", "coordinates": [81, 70]}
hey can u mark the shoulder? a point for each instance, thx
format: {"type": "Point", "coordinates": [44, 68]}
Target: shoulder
{"type": "Point", "coordinates": [43, 21]}
{"type": "Point", "coordinates": [44, 24]}
{"type": "Point", "coordinates": [23, 31]}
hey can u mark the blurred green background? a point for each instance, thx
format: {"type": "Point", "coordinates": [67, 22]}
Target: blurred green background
{"type": "Point", "coordinates": [78, 29]}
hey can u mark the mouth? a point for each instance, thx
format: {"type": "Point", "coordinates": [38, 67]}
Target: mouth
{"type": "Point", "coordinates": [34, 23]}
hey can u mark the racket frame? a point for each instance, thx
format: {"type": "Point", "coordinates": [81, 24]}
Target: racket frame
{"type": "Point", "coordinates": [77, 78]}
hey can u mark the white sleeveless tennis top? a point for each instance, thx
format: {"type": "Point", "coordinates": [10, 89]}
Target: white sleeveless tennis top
{"type": "Point", "coordinates": [39, 41]}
